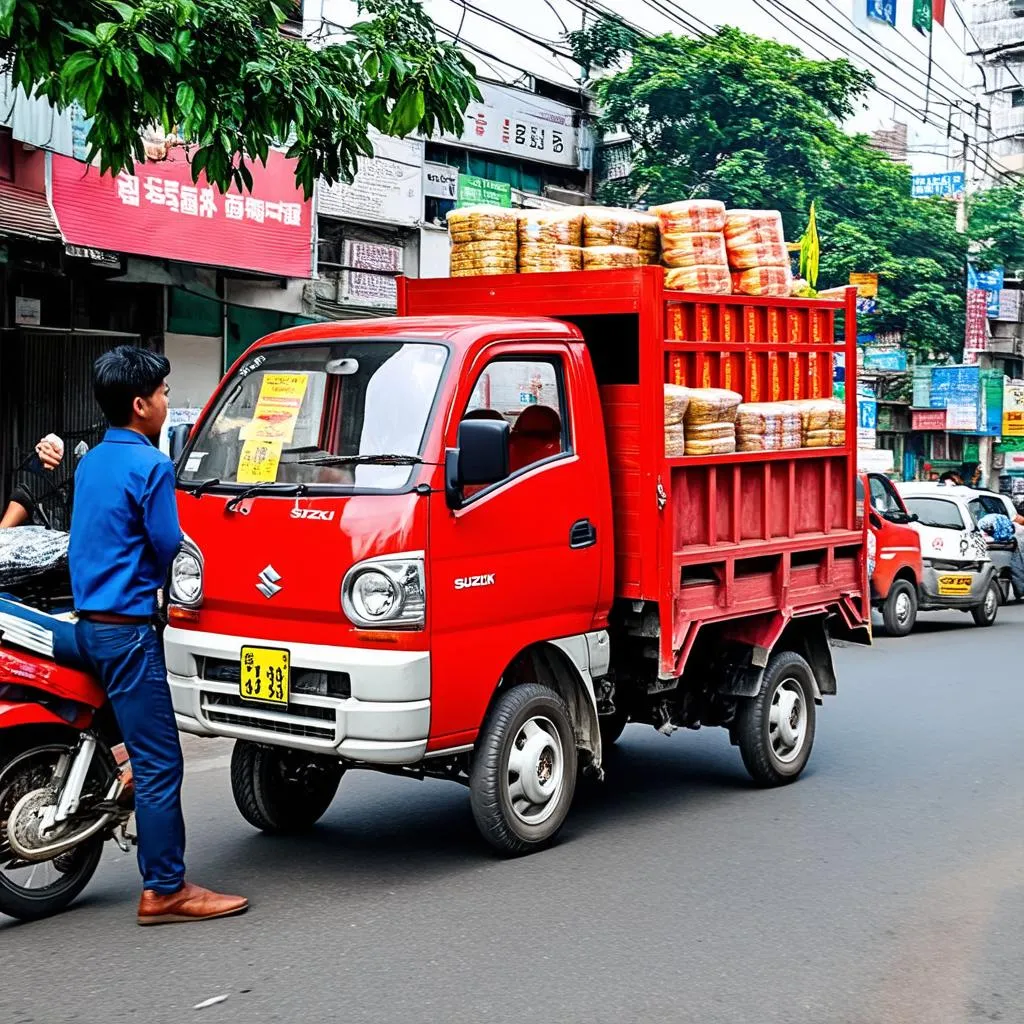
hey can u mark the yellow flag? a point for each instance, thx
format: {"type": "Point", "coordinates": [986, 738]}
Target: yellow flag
{"type": "Point", "coordinates": [810, 250]}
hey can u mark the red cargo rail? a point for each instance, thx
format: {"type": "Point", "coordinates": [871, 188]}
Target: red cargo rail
{"type": "Point", "coordinates": [741, 543]}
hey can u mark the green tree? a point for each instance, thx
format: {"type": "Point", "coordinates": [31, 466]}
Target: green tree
{"type": "Point", "coordinates": [755, 123]}
{"type": "Point", "coordinates": [222, 74]}
{"type": "Point", "coordinates": [996, 220]}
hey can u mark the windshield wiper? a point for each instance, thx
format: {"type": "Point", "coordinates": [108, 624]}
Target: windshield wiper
{"type": "Point", "coordinates": [197, 490]}
{"type": "Point", "coordinates": [363, 460]}
{"type": "Point", "coordinates": [285, 490]}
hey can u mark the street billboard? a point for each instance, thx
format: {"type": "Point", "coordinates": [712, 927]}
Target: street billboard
{"type": "Point", "coordinates": [949, 183]}
{"type": "Point", "coordinates": [159, 211]}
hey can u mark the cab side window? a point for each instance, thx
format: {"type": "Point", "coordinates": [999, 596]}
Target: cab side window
{"type": "Point", "coordinates": [530, 397]}
{"type": "Point", "coordinates": [883, 497]}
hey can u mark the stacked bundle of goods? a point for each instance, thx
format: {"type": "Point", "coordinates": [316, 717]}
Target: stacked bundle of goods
{"type": "Point", "coordinates": [693, 246]}
{"type": "Point", "coordinates": [700, 421]}
{"type": "Point", "coordinates": [549, 240]}
{"type": "Point", "coordinates": [677, 401]}
{"type": "Point", "coordinates": [768, 427]}
{"type": "Point", "coordinates": [758, 256]}
{"type": "Point", "coordinates": [618, 238]}
{"type": "Point", "coordinates": [484, 241]}
{"type": "Point", "coordinates": [823, 422]}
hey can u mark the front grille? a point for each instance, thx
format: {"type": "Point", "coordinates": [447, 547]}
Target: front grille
{"type": "Point", "coordinates": [227, 709]}
{"type": "Point", "coordinates": [310, 681]}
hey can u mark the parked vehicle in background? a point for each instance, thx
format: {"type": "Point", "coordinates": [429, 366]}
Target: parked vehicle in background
{"type": "Point", "coordinates": [957, 569]}
{"type": "Point", "coordinates": [896, 571]}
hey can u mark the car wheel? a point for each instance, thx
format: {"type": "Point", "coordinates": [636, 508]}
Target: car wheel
{"type": "Point", "coordinates": [899, 612]}
{"type": "Point", "coordinates": [985, 613]}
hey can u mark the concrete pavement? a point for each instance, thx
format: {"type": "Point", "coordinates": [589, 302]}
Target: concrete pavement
{"type": "Point", "coordinates": [887, 886]}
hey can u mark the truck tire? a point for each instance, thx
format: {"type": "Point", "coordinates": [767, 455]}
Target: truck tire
{"type": "Point", "coordinates": [985, 613]}
{"type": "Point", "coordinates": [899, 613]}
{"type": "Point", "coordinates": [524, 770]}
{"type": "Point", "coordinates": [775, 729]}
{"type": "Point", "coordinates": [280, 791]}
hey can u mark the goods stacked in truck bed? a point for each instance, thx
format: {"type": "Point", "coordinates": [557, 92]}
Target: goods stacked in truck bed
{"type": "Point", "coordinates": [693, 246]}
{"type": "Point", "coordinates": [618, 238]}
{"type": "Point", "coordinates": [758, 255]}
{"type": "Point", "coordinates": [823, 423]}
{"type": "Point", "coordinates": [549, 240]}
{"type": "Point", "coordinates": [484, 241]}
{"type": "Point", "coordinates": [768, 427]}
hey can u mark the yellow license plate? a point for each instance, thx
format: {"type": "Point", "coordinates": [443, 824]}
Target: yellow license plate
{"type": "Point", "coordinates": [954, 586]}
{"type": "Point", "coordinates": [265, 676]}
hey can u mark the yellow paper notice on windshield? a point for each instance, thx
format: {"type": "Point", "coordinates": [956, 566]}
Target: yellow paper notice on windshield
{"type": "Point", "coordinates": [277, 408]}
{"type": "Point", "coordinates": [258, 462]}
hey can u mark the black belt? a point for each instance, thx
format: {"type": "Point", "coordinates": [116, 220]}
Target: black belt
{"type": "Point", "coordinates": [110, 619]}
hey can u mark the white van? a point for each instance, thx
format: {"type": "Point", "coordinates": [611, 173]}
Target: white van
{"type": "Point", "coordinates": [957, 570]}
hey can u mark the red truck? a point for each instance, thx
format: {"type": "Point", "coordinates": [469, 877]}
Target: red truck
{"type": "Point", "coordinates": [450, 544]}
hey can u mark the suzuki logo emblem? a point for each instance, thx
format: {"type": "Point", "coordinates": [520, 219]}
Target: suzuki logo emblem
{"type": "Point", "coordinates": [267, 585]}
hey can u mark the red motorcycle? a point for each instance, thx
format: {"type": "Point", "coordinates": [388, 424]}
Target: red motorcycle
{"type": "Point", "coordinates": [62, 791]}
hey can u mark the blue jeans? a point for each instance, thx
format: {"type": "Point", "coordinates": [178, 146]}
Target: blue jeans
{"type": "Point", "coordinates": [129, 662]}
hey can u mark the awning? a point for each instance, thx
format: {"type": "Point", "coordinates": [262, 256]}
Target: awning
{"type": "Point", "coordinates": [26, 214]}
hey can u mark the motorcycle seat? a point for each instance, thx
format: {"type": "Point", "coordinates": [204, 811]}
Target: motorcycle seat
{"type": "Point", "coordinates": [49, 636]}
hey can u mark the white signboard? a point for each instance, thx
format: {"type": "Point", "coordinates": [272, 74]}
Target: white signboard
{"type": "Point", "coordinates": [369, 280]}
{"type": "Point", "coordinates": [441, 181]}
{"type": "Point", "coordinates": [522, 124]}
{"type": "Point", "coordinates": [876, 460]}
{"type": "Point", "coordinates": [28, 312]}
{"type": "Point", "coordinates": [1009, 304]}
{"type": "Point", "coordinates": [387, 188]}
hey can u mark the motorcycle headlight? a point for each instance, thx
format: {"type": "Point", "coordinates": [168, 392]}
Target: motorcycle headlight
{"type": "Point", "coordinates": [386, 593]}
{"type": "Point", "coordinates": [187, 576]}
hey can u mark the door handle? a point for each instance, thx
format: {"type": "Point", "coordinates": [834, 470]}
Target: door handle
{"type": "Point", "coordinates": [582, 534]}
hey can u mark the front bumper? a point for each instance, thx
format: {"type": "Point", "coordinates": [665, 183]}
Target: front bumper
{"type": "Point", "coordinates": [931, 598]}
{"type": "Point", "coordinates": [386, 720]}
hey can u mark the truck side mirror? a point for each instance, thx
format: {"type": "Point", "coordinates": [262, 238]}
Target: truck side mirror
{"type": "Point", "coordinates": [481, 458]}
{"type": "Point", "coordinates": [177, 438]}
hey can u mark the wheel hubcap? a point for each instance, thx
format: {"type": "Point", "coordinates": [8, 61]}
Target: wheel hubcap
{"type": "Point", "coordinates": [902, 609]}
{"type": "Point", "coordinates": [787, 721]}
{"type": "Point", "coordinates": [535, 773]}
{"type": "Point", "coordinates": [990, 603]}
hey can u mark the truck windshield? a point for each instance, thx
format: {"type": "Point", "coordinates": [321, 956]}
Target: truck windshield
{"type": "Point", "coordinates": [349, 414]}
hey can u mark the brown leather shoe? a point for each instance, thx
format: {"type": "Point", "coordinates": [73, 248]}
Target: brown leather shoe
{"type": "Point", "coordinates": [189, 903]}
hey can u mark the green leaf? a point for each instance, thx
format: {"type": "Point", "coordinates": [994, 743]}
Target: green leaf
{"type": "Point", "coordinates": [185, 99]}
{"type": "Point", "coordinates": [146, 44]}
{"type": "Point", "coordinates": [105, 31]}
{"type": "Point", "coordinates": [124, 10]}
{"type": "Point", "coordinates": [168, 53]}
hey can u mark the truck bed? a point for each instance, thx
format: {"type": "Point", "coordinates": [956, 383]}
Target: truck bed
{"type": "Point", "coordinates": [740, 543]}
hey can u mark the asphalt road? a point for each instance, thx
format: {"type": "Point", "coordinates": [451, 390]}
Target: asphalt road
{"type": "Point", "coordinates": [886, 886]}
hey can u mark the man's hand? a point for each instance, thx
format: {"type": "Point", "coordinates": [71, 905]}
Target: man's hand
{"type": "Point", "coordinates": [50, 451]}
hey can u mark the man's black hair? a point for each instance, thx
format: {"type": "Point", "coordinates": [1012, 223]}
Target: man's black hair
{"type": "Point", "coordinates": [950, 474]}
{"type": "Point", "coordinates": [124, 374]}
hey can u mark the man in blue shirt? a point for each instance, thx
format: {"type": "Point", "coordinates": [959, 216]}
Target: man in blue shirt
{"type": "Point", "coordinates": [124, 535]}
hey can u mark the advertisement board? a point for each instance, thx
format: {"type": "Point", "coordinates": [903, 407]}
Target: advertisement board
{"type": "Point", "coordinates": [1013, 408]}
{"type": "Point", "coordinates": [474, 191]}
{"type": "Point", "coordinates": [949, 183]}
{"type": "Point", "coordinates": [159, 211]}
{"type": "Point", "coordinates": [521, 124]}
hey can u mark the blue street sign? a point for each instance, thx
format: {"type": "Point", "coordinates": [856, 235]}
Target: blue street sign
{"type": "Point", "coordinates": [866, 306]}
{"type": "Point", "coordinates": [990, 282]}
{"type": "Point", "coordinates": [892, 360]}
{"type": "Point", "coordinates": [949, 183]}
{"type": "Point", "coordinates": [882, 10]}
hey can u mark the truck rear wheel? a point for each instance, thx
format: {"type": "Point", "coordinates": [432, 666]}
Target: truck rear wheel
{"type": "Point", "coordinates": [775, 729]}
{"type": "Point", "coordinates": [282, 791]}
{"type": "Point", "coordinates": [524, 770]}
{"type": "Point", "coordinates": [899, 613]}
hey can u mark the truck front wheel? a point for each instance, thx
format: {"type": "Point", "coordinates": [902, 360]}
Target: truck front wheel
{"type": "Point", "coordinates": [524, 770]}
{"type": "Point", "coordinates": [775, 729]}
{"type": "Point", "coordinates": [281, 791]}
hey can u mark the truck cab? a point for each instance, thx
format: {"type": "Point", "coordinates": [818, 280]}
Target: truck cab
{"type": "Point", "coordinates": [451, 544]}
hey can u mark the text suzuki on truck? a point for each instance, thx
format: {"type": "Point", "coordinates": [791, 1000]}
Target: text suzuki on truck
{"type": "Point", "coordinates": [450, 544]}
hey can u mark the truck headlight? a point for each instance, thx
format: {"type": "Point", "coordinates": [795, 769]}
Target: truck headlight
{"type": "Point", "coordinates": [187, 576]}
{"type": "Point", "coordinates": [386, 593]}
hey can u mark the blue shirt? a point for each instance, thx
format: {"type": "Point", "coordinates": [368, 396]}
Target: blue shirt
{"type": "Point", "coordinates": [998, 527]}
{"type": "Point", "coordinates": [124, 526]}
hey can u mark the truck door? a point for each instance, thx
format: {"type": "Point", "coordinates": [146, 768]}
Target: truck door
{"type": "Point", "coordinates": [520, 562]}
